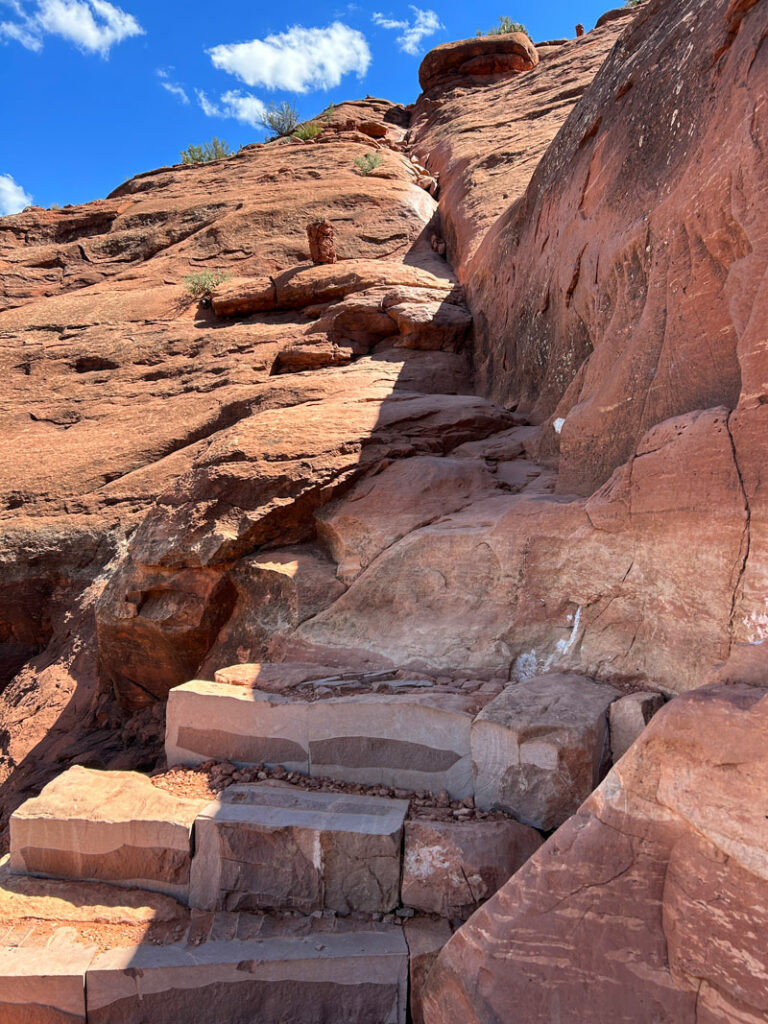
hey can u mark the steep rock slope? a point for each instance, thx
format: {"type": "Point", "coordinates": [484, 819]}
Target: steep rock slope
{"type": "Point", "coordinates": [649, 904]}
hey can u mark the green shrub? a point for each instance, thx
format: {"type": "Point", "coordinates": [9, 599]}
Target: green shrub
{"type": "Point", "coordinates": [281, 119]}
{"type": "Point", "coordinates": [201, 285]}
{"type": "Point", "coordinates": [216, 149]}
{"type": "Point", "coordinates": [369, 162]}
{"type": "Point", "coordinates": [633, 3]}
{"type": "Point", "coordinates": [308, 130]}
{"type": "Point", "coordinates": [326, 114]}
{"type": "Point", "coordinates": [504, 27]}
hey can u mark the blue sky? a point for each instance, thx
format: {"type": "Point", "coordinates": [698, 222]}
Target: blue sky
{"type": "Point", "coordinates": [95, 92]}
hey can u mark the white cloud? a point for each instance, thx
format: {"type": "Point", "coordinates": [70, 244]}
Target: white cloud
{"type": "Point", "coordinates": [423, 24]}
{"type": "Point", "coordinates": [297, 60]}
{"type": "Point", "coordinates": [13, 198]}
{"type": "Point", "coordinates": [172, 87]}
{"type": "Point", "coordinates": [94, 26]}
{"type": "Point", "coordinates": [234, 104]}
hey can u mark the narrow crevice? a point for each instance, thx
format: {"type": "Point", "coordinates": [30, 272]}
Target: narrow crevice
{"type": "Point", "coordinates": [746, 539]}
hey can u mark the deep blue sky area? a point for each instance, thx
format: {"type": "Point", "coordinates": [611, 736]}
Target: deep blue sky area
{"type": "Point", "coordinates": [96, 92]}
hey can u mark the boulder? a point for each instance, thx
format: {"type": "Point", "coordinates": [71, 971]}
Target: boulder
{"type": "Point", "coordinates": [278, 848]}
{"type": "Point", "coordinates": [628, 716]}
{"type": "Point", "coordinates": [106, 826]}
{"type": "Point", "coordinates": [664, 870]}
{"type": "Point", "coordinates": [451, 867]}
{"type": "Point", "coordinates": [541, 747]}
{"type": "Point", "coordinates": [508, 54]}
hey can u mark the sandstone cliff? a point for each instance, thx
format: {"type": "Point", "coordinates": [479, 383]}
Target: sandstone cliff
{"type": "Point", "coordinates": [517, 428]}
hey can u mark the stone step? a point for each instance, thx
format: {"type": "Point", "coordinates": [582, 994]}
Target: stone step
{"type": "Point", "coordinates": [344, 978]}
{"type": "Point", "coordinates": [279, 847]}
{"type": "Point", "coordinates": [414, 741]}
{"type": "Point", "coordinates": [106, 826]}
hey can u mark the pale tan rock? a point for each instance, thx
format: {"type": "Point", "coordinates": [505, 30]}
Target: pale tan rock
{"type": "Point", "coordinates": [263, 847]}
{"type": "Point", "coordinates": [347, 977]}
{"type": "Point", "coordinates": [541, 747]}
{"type": "Point", "coordinates": [106, 826]}
{"type": "Point", "coordinates": [415, 741]}
{"type": "Point", "coordinates": [227, 722]}
{"type": "Point", "coordinates": [44, 987]}
{"type": "Point", "coordinates": [627, 718]}
{"type": "Point", "coordinates": [451, 867]}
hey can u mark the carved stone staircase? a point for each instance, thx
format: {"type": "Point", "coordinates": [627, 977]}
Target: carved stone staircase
{"type": "Point", "coordinates": [305, 898]}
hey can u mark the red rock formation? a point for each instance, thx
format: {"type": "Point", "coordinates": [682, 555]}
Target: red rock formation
{"type": "Point", "coordinates": [651, 903]}
{"type": "Point", "coordinates": [321, 244]}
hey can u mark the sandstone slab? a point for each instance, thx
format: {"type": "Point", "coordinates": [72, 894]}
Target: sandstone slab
{"type": "Point", "coordinates": [227, 722]}
{"type": "Point", "coordinates": [511, 53]}
{"type": "Point", "coordinates": [628, 716]}
{"type": "Point", "coordinates": [277, 847]}
{"type": "Point", "coordinates": [450, 868]}
{"type": "Point", "coordinates": [47, 987]}
{"type": "Point", "coordinates": [349, 978]}
{"type": "Point", "coordinates": [541, 747]}
{"type": "Point", "coordinates": [415, 741]}
{"type": "Point", "coordinates": [106, 826]}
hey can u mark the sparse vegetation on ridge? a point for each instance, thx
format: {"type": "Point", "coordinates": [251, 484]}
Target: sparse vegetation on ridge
{"type": "Point", "coordinates": [216, 149]}
{"type": "Point", "coordinates": [506, 25]}
{"type": "Point", "coordinates": [281, 119]}
{"type": "Point", "coordinates": [308, 130]}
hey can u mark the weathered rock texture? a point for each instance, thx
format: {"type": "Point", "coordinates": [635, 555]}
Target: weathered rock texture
{"type": "Point", "coordinates": [663, 868]}
{"type": "Point", "coordinates": [262, 847]}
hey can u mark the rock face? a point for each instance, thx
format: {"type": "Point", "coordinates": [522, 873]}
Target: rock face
{"type": "Point", "coordinates": [664, 869]}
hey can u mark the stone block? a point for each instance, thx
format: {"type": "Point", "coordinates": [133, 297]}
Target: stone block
{"type": "Point", "coordinates": [277, 847]}
{"type": "Point", "coordinates": [350, 978]}
{"type": "Point", "coordinates": [628, 717]}
{"type": "Point", "coordinates": [44, 986]}
{"type": "Point", "coordinates": [541, 747]}
{"type": "Point", "coordinates": [450, 868]}
{"type": "Point", "coordinates": [414, 741]}
{"type": "Point", "coordinates": [106, 826]}
{"type": "Point", "coordinates": [227, 722]}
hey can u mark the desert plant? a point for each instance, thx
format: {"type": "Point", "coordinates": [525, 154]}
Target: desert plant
{"type": "Point", "coordinates": [216, 149]}
{"type": "Point", "coordinates": [505, 26]}
{"type": "Point", "coordinates": [369, 162]}
{"type": "Point", "coordinates": [327, 113]}
{"type": "Point", "coordinates": [308, 130]}
{"type": "Point", "coordinates": [281, 119]}
{"type": "Point", "coordinates": [201, 284]}
{"type": "Point", "coordinates": [633, 3]}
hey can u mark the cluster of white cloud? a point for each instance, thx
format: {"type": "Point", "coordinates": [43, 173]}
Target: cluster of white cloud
{"type": "Point", "coordinates": [234, 104]}
{"type": "Point", "coordinates": [297, 60]}
{"type": "Point", "coordinates": [13, 198]}
{"type": "Point", "coordinates": [92, 25]}
{"type": "Point", "coordinates": [423, 24]}
{"type": "Point", "coordinates": [172, 87]}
